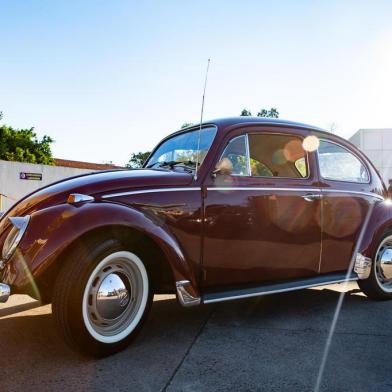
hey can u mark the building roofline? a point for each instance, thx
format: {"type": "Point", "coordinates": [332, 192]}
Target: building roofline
{"type": "Point", "coordinates": [85, 165]}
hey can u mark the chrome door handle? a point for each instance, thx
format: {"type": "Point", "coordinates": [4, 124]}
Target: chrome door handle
{"type": "Point", "coordinates": [312, 196]}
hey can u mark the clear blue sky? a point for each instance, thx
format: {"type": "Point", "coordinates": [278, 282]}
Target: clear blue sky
{"type": "Point", "coordinates": [108, 78]}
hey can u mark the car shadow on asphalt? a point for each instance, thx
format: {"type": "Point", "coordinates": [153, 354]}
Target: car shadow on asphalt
{"type": "Point", "coordinates": [33, 355]}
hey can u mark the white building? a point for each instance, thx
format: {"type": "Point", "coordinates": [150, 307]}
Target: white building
{"type": "Point", "coordinates": [17, 179]}
{"type": "Point", "coordinates": [377, 145]}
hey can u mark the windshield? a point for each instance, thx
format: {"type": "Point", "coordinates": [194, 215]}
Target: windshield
{"type": "Point", "coordinates": [182, 149]}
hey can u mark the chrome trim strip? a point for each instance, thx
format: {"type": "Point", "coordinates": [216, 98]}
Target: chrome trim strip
{"type": "Point", "coordinates": [294, 189]}
{"type": "Point", "coordinates": [261, 293]}
{"type": "Point", "coordinates": [264, 189]}
{"type": "Point", "coordinates": [370, 194]}
{"type": "Point", "coordinates": [156, 190]}
{"type": "Point", "coordinates": [186, 299]}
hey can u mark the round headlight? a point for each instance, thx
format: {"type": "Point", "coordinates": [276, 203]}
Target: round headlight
{"type": "Point", "coordinates": [19, 225]}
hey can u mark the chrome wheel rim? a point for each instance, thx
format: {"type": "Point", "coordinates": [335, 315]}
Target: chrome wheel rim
{"type": "Point", "coordinates": [383, 265]}
{"type": "Point", "coordinates": [115, 297]}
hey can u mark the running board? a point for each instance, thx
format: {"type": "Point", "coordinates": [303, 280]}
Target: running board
{"type": "Point", "coordinates": [277, 288]}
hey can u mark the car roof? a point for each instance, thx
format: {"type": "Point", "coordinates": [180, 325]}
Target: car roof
{"type": "Point", "coordinates": [227, 122]}
{"type": "Point", "coordinates": [224, 123]}
{"type": "Point", "coordinates": [231, 121]}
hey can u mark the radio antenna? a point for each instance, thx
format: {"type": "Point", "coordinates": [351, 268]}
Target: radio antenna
{"type": "Point", "coordinates": [201, 121]}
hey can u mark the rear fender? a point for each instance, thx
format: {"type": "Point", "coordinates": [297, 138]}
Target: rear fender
{"type": "Point", "coordinates": [380, 221]}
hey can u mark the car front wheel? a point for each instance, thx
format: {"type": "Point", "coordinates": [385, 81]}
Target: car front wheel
{"type": "Point", "coordinates": [378, 285]}
{"type": "Point", "coordinates": [101, 297]}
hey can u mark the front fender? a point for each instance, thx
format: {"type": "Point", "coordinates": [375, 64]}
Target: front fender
{"type": "Point", "coordinates": [53, 229]}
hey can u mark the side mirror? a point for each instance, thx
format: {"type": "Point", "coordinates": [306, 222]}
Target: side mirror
{"type": "Point", "coordinates": [224, 168]}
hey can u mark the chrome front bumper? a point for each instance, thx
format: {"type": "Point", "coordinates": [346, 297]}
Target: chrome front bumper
{"type": "Point", "coordinates": [5, 292]}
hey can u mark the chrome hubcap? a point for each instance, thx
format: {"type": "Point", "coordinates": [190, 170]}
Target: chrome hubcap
{"type": "Point", "coordinates": [114, 296]}
{"type": "Point", "coordinates": [383, 264]}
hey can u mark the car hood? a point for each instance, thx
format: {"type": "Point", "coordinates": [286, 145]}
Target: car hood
{"type": "Point", "coordinates": [98, 184]}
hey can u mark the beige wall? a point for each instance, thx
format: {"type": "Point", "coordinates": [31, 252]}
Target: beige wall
{"type": "Point", "coordinates": [377, 145]}
{"type": "Point", "coordinates": [14, 188]}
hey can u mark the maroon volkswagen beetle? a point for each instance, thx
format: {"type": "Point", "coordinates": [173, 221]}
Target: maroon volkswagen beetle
{"type": "Point", "coordinates": [237, 208]}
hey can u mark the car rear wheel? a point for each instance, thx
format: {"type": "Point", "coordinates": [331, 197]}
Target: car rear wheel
{"type": "Point", "coordinates": [101, 297]}
{"type": "Point", "coordinates": [379, 283]}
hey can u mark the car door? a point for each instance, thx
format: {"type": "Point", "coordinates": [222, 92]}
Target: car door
{"type": "Point", "coordinates": [346, 184]}
{"type": "Point", "coordinates": [262, 210]}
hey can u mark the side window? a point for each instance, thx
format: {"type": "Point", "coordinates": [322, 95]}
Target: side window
{"type": "Point", "coordinates": [234, 158]}
{"type": "Point", "coordinates": [277, 156]}
{"type": "Point", "coordinates": [337, 163]}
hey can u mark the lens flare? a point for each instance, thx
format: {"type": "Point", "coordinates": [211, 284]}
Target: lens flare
{"type": "Point", "coordinates": [388, 202]}
{"type": "Point", "coordinates": [278, 157]}
{"type": "Point", "coordinates": [293, 150]}
{"type": "Point", "coordinates": [311, 143]}
{"type": "Point", "coordinates": [339, 304]}
{"type": "Point", "coordinates": [23, 267]}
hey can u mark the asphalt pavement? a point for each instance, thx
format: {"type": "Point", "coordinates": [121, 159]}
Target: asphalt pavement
{"type": "Point", "coordinates": [271, 343]}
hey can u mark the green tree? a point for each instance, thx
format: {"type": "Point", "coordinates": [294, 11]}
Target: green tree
{"type": "Point", "coordinates": [262, 113]}
{"type": "Point", "coordinates": [273, 113]}
{"type": "Point", "coordinates": [22, 145]}
{"type": "Point", "coordinates": [246, 112]}
{"type": "Point", "coordinates": [186, 125]}
{"type": "Point", "coordinates": [137, 159]}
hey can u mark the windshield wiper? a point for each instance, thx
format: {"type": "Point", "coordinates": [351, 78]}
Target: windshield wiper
{"type": "Point", "coordinates": [154, 164]}
{"type": "Point", "coordinates": [161, 164]}
{"type": "Point", "coordinates": [171, 164]}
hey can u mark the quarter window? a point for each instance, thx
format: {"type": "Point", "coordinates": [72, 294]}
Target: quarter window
{"type": "Point", "coordinates": [337, 163]}
{"type": "Point", "coordinates": [300, 164]}
{"type": "Point", "coordinates": [235, 157]}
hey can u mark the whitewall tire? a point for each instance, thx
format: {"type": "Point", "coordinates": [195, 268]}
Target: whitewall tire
{"type": "Point", "coordinates": [102, 297]}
